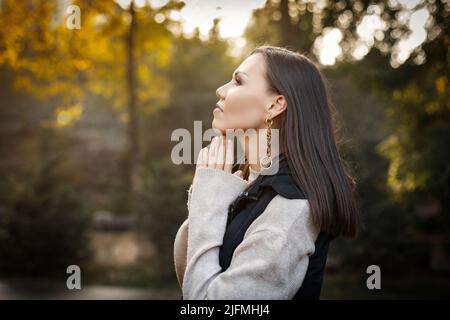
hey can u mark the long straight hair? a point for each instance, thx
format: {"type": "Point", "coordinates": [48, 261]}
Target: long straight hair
{"type": "Point", "coordinates": [307, 138]}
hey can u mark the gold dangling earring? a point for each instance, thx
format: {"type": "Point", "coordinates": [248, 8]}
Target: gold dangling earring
{"type": "Point", "coordinates": [266, 161]}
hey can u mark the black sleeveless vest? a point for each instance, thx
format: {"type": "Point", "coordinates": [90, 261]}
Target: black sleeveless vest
{"type": "Point", "coordinates": [251, 203]}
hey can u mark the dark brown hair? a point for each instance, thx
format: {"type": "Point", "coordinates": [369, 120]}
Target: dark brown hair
{"type": "Point", "coordinates": [307, 138]}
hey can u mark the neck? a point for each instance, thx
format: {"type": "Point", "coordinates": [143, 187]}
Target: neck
{"type": "Point", "coordinates": [254, 149]}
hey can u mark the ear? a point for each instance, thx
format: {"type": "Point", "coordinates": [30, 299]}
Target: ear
{"type": "Point", "coordinates": [278, 107]}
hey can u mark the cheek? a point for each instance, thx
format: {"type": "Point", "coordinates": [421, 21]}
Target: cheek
{"type": "Point", "coordinates": [244, 108]}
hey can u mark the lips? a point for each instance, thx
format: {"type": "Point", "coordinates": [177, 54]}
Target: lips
{"type": "Point", "coordinates": [217, 106]}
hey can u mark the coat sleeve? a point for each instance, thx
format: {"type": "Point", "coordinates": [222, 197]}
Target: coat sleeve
{"type": "Point", "coordinates": [180, 251]}
{"type": "Point", "coordinates": [269, 263]}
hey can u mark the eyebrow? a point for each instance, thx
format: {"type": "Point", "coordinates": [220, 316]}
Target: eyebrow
{"type": "Point", "coordinates": [240, 72]}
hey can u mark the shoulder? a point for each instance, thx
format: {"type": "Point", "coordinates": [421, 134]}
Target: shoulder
{"type": "Point", "coordinates": [290, 218]}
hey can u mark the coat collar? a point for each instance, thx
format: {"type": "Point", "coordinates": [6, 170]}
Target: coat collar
{"type": "Point", "coordinates": [280, 180]}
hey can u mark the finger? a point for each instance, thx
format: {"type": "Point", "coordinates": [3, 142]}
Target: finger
{"type": "Point", "coordinates": [220, 154]}
{"type": "Point", "coordinates": [212, 153]}
{"type": "Point", "coordinates": [200, 162]}
{"type": "Point", "coordinates": [229, 156]}
{"type": "Point", "coordinates": [205, 156]}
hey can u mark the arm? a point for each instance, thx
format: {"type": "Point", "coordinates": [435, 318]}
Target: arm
{"type": "Point", "coordinates": [180, 250]}
{"type": "Point", "coordinates": [226, 186]}
{"type": "Point", "coordinates": [212, 192]}
{"type": "Point", "coordinates": [180, 244]}
{"type": "Point", "coordinates": [229, 188]}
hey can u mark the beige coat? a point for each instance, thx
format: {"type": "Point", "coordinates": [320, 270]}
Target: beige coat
{"type": "Point", "coordinates": [270, 262]}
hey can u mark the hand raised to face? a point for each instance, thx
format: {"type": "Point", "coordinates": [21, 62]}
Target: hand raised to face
{"type": "Point", "coordinates": [218, 155]}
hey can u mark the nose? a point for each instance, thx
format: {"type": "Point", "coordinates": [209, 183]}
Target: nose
{"type": "Point", "coordinates": [220, 92]}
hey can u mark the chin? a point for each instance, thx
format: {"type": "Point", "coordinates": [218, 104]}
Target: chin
{"type": "Point", "coordinates": [216, 126]}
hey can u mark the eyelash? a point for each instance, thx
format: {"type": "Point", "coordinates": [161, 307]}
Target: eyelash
{"type": "Point", "coordinates": [238, 82]}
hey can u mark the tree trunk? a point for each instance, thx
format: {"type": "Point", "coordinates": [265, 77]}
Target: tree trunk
{"type": "Point", "coordinates": [134, 181]}
{"type": "Point", "coordinates": [285, 24]}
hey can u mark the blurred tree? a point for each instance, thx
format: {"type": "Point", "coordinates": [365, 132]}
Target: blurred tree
{"type": "Point", "coordinates": [112, 55]}
{"type": "Point", "coordinates": [288, 23]}
{"type": "Point", "coordinates": [416, 83]}
{"type": "Point", "coordinates": [63, 71]}
{"type": "Point", "coordinates": [415, 137]}
{"type": "Point", "coordinates": [43, 226]}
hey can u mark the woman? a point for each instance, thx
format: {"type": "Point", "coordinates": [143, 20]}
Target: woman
{"type": "Point", "coordinates": [281, 252]}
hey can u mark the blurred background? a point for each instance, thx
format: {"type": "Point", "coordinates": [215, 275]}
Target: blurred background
{"type": "Point", "coordinates": [86, 116]}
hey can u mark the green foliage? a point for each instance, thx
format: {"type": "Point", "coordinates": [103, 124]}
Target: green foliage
{"type": "Point", "coordinates": [164, 203]}
{"type": "Point", "coordinates": [284, 23]}
{"type": "Point", "coordinates": [43, 228]}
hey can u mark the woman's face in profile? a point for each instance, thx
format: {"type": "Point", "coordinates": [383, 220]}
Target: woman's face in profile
{"type": "Point", "coordinates": [244, 100]}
